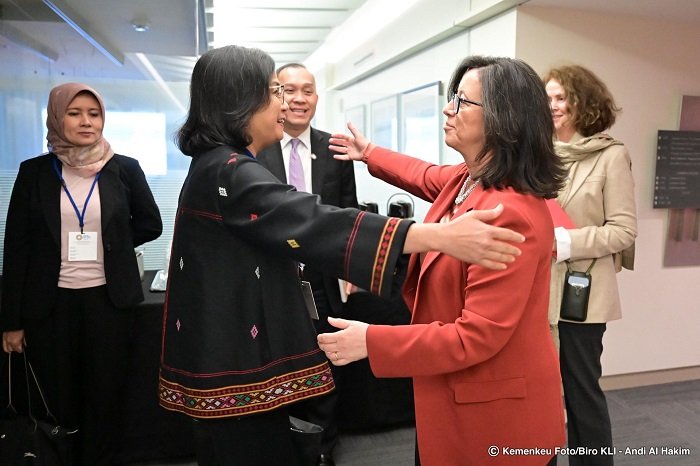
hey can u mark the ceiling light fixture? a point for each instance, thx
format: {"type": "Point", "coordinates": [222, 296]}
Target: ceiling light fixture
{"type": "Point", "coordinates": [140, 26]}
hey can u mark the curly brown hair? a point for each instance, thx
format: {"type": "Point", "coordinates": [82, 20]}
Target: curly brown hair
{"type": "Point", "coordinates": [595, 106]}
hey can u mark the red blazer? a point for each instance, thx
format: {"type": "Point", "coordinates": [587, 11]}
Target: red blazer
{"type": "Point", "coordinates": [479, 349]}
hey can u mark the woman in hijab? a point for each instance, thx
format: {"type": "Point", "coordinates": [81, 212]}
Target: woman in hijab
{"type": "Point", "coordinates": [70, 276]}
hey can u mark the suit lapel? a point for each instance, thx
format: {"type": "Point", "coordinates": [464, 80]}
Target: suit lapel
{"type": "Point", "coordinates": [578, 173]}
{"type": "Point", "coordinates": [109, 184]}
{"type": "Point", "coordinates": [441, 206]}
{"type": "Point", "coordinates": [318, 165]}
{"type": "Point", "coordinates": [273, 160]}
{"type": "Point", "coordinates": [50, 194]}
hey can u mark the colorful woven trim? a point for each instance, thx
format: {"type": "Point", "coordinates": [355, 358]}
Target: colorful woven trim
{"type": "Point", "coordinates": [238, 400]}
{"type": "Point", "coordinates": [381, 255]}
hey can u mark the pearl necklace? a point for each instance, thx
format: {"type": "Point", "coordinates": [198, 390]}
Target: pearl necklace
{"type": "Point", "coordinates": [465, 191]}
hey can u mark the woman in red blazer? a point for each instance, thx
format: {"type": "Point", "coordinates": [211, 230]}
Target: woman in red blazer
{"type": "Point", "coordinates": [485, 371]}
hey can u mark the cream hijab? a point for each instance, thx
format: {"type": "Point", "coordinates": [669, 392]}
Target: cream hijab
{"type": "Point", "coordinates": [89, 160]}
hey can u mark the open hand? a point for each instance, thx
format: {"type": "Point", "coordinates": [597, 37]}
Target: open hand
{"type": "Point", "coordinates": [479, 243]}
{"type": "Point", "coordinates": [348, 147]}
{"type": "Point", "coordinates": [347, 345]}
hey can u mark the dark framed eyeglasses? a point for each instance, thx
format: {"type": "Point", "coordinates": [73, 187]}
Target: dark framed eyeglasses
{"type": "Point", "coordinates": [278, 91]}
{"type": "Point", "coordinates": [457, 102]}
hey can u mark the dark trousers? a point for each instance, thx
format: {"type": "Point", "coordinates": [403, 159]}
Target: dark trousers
{"type": "Point", "coordinates": [322, 410]}
{"type": "Point", "coordinates": [258, 439]}
{"type": "Point", "coordinates": [588, 420]}
{"type": "Point", "coordinates": [80, 354]}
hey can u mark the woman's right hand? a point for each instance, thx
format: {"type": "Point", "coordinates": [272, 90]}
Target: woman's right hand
{"type": "Point", "coordinates": [468, 238]}
{"type": "Point", "coordinates": [13, 341]}
{"type": "Point", "coordinates": [348, 147]}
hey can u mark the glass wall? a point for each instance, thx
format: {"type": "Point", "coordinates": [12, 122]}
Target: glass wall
{"type": "Point", "coordinates": [142, 117]}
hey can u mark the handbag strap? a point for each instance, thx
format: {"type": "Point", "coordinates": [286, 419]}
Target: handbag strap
{"type": "Point", "coordinates": [10, 406]}
{"type": "Point", "coordinates": [588, 270]}
{"type": "Point", "coordinates": [27, 370]}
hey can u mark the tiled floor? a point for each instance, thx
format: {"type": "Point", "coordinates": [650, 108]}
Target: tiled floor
{"type": "Point", "coordinates": [665, 416]}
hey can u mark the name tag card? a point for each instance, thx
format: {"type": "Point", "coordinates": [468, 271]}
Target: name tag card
{"type": "Point", "coordinates": [82, 246]}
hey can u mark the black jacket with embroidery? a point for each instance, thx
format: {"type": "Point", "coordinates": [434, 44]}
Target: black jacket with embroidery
{"type": "Point", "coordinates": [237, 336]}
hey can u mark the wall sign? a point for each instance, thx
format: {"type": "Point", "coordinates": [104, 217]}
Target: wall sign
{"type": "Point", "coordinates": [677, 181]}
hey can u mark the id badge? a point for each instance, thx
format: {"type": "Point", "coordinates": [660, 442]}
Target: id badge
{"type": "Point", "coordinates": [309, 299]}
{"type": "Point", "coordinates": [82, 246]}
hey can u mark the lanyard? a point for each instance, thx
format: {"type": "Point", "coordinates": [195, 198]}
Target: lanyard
{"type": "Point", "coordinates": [81, 216]}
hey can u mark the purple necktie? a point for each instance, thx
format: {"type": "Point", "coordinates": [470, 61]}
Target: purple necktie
{"type": "Point", "coordinates": [296, 170]}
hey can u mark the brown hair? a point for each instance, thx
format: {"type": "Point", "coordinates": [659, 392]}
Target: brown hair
{"type": "Point", "coordinates": [595, 106]}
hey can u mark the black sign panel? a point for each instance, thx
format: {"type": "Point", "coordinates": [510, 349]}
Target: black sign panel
{"type": "Point", "coordinates": [677, 182]}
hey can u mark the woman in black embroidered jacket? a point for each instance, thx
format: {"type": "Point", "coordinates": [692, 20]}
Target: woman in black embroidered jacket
{"type": "Point", "coordinates": [238, 344]}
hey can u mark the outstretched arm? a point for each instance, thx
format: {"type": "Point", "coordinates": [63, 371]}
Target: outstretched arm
{"type": "Point", "coordinates": [468, 239]}
{"type": "Point", "coordinates": [349, 147]}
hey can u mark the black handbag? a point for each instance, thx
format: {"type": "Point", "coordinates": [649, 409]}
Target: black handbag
{"type": "Point", "coordinates": [26, 440]}
{"type": "Point", "coordinates": [577, 290]}
{"type": "Point", "coordinates": [306, 440]}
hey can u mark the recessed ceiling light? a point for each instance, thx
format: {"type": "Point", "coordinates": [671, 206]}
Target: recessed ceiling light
{"type": "Point", "coordinates": [140, 27]}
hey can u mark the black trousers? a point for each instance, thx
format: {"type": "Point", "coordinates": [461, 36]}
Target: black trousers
{"type": "Point", "coordinates": [258, 439]}
{"type": "Point", "coordinates": [80, 355]}
{"type": "Point", "coordinates": [588, 420]}
{"type": "Point", "coordinates": [322, 410]}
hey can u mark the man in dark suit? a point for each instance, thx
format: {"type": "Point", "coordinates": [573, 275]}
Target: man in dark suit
{"type": "Point", "coordinates": [334, 182]}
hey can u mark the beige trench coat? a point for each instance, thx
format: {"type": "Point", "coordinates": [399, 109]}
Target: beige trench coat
{"type": "Point", "coordinates": [599, 199]}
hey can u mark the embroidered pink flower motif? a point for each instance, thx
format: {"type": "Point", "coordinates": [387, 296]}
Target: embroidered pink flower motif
{"type": "Point", "coordinates": [177, 324]}
{"type": "Point", "coordinates": [254, 332]}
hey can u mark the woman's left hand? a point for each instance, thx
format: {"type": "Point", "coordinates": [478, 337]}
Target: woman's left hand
{"type": "Point", "coordinates": [348, 147]}
{"type": "Point", "coordinates": [347, 345]}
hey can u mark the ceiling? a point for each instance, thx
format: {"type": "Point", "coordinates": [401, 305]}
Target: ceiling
{"type": "Point", "coordinates": [97, 38]}
{"type": "Point", "coordinates": [289, 30]}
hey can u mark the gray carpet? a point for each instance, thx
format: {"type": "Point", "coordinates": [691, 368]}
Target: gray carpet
{"type": "Point", "coordinates": [666, 417]}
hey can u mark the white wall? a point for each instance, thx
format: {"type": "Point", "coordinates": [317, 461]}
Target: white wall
{"type": "Point", "coordinates": [494, 37]}
{"type": "Point", "coordinates": [648, 66]}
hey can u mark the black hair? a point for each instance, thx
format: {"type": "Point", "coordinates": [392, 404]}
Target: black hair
{"type": "Point", "coordinates": [229, 85]}
{"type": "Point", "coordinates": [290, 65]}
{"type": "Point", "coordinates": [517, 124]}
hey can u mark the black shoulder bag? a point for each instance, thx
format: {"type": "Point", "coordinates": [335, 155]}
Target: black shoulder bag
{"type": "Point", "coordinates": [26, 440]}
{"type": "Point", "coordinates": [577, 289]}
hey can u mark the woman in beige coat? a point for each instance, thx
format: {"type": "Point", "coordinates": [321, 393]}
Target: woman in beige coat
{"type": "Point", "coordinates": [599, 199]}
